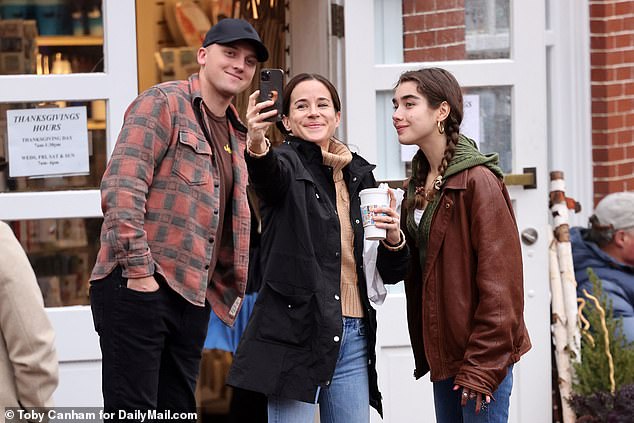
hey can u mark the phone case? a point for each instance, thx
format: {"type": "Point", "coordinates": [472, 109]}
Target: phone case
{"type": "Point", "coordinates": [271, 86]}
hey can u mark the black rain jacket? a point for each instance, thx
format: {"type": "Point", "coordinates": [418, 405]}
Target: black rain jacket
{"type": "Point", "coordinates": [290, 346]}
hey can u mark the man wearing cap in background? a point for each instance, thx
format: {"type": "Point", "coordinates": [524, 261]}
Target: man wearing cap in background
{"type": "Point", "coordinates": [175, 235]}
{"type": "Point", "coordinates": [607, 246]}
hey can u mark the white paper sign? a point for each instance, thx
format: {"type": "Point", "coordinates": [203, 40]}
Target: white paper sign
{"type": "Point", "coordinates": [47, 141]}
{"type": "Point", "coordinates": [470, 125]}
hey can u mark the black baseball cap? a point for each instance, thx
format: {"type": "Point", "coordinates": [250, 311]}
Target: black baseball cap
{"type": "Point", "coordinates": [229, 30]}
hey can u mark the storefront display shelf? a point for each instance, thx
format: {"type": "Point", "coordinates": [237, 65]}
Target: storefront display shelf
{"type": "Point", "coordinates": [96, 125]}
{"type": "Point", "coordinates": [68, 40]}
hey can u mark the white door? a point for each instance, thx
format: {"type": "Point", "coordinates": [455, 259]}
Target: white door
{"type": "Point", "coordinates": [74, 199]}
{"type": "Point", "coordinates": [506, 81]}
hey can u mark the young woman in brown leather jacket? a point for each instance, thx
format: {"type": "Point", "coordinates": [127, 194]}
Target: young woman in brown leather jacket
{"type": "Point", "coordinates": [464, 286]}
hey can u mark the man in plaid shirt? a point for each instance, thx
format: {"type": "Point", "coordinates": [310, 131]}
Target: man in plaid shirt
{"type": "Point", "coordinates": [175, 236]}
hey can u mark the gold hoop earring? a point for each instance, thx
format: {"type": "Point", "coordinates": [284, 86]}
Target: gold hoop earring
{"type": "Point", "coordinates": [441, 126]}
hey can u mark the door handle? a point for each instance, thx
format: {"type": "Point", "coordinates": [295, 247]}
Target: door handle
{"type": "Point", "coordinates": [528, 179]}
{"type": "Point", "coordinates": [529, 236]}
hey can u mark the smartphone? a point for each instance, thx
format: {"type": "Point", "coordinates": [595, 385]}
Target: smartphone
{"type": "Point", "coordinates": [271, 85]}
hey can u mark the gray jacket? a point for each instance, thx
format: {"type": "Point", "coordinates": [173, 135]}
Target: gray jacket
{"type": "Point", "coordinates": [28, 362]}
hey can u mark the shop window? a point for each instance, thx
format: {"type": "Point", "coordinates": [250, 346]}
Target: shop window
{"type": "Point", "coordinates": [487, 29]}
{"type": "Point", "coordinates": [50, 37]}
{"type": "Point", "coordinates": [427, 31]}
{"type": "Point", "coordinates": [170, 33]}
{"type": "Point", "coordinates": [489, 114]}
{"type": "Point", "coordinates": [43, 148]}
{"type": "Point", "coordinates": [62, 253]}
{"type": "Point", "coordinates": [486, 119]}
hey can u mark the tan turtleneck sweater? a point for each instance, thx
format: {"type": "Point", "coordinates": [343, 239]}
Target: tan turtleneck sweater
{"type": "Point", "coordinates": [337, 157]}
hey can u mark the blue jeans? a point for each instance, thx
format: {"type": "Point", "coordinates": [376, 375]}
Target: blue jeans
{"type": "Point", "coordinates": [449, 410]}
{"type": "Point", "coordinates": [347, 398]}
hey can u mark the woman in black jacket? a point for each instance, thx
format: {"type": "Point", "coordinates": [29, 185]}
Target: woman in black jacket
{"type": "Point", "coordinates": [312, 333]}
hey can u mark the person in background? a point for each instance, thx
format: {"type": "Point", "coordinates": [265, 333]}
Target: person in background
{"type": "Point", "coordinates": [243, 405]}
{"type": "Point", "coordinates": [28, 361]}
{"type": "Point", "coordinates": [311, 336]}
{"type": "Point", "coordinates": [607, 246]}
{"type": "Point", "coordinates": [464, 287]}
{"type": "Point", "coordinates": [175, 236]}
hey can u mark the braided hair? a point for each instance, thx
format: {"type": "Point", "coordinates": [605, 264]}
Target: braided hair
{"type": "Point", "coordinates": [436, 85]}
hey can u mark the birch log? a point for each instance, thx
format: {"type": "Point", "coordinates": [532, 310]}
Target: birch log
{"type": "Point", "coordinates": [560, 334]}
{"type": "Point", "coordinates": [559, 210]}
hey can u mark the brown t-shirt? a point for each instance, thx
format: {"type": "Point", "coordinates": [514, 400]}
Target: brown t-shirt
{"type": "Point", "coordinates": [218, 128]}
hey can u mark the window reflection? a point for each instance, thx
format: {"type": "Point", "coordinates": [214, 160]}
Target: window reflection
{"type": "Point", "coordinates": [494, 122]}
{"type": "Point", "coordinates": [487, 29]}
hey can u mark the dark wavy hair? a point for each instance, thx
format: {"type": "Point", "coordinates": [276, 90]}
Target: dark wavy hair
{"type": "Point", "coordinates": [600, 234]}
{"type": "Point", "coordinates": [436, 85]}
{"type": "Point", "coordinates": [296, 80]}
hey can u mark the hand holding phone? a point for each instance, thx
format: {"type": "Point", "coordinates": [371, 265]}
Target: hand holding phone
{"type": "Point", "coordinates": [271, 86]}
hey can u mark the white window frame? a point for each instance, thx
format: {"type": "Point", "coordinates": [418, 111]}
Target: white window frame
{"type": "Point", "coordinates": [117, 85]}
{"type": "Point", "coordinates": [525, 72]}
{"type": "Point", "coordinates": [570, 101]}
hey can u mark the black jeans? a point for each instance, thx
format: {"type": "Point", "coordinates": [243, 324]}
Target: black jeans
{"type": "Point", "coordinates": [151, 343]}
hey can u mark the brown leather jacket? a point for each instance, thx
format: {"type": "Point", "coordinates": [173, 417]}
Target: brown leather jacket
{"type": "Point", "coordinates": [465, 312]}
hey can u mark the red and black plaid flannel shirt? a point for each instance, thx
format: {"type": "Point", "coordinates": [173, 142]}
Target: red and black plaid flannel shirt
{"type": "Point", "coordinates": [160, 197]}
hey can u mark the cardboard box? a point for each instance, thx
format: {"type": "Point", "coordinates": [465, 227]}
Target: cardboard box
{"type": "Point", "coordinates": [11, 28]}
{"type": "Point", "coordinates": [177, 62]}
{"type": "Point", "coordinates": [18, 37]}
{"type": "Point", "coordinates": [213, 396]}
{"type": "Point", "coordinates": [12, 63]}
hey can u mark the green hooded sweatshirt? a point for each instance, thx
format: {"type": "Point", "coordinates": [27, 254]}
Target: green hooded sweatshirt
{"type": "Point", "coordinates": [466, 156]}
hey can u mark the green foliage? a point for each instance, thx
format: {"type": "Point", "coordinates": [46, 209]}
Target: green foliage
{"type": "Point", "coordinates": [592, 383]}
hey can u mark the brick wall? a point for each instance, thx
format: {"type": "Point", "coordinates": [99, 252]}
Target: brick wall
{"type": "Point", "coordinates": [612, 75]}
{"type": "Point", "coordinates": [433, 30]}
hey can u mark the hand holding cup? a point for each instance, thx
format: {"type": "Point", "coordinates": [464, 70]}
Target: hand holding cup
{"type": "Point", "coordinates": [389, 219]}
{"type": "Point", "coordinates": [378, 210]}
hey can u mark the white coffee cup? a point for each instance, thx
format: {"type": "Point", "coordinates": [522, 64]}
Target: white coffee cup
{"type": "Point", "coordinates": [371, 198]}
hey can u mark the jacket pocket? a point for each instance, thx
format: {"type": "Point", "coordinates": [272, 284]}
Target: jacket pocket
{"type": "Point", "coordinates": [192, 160]}
{"type": "Point", "coordinates": [288, 314]}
